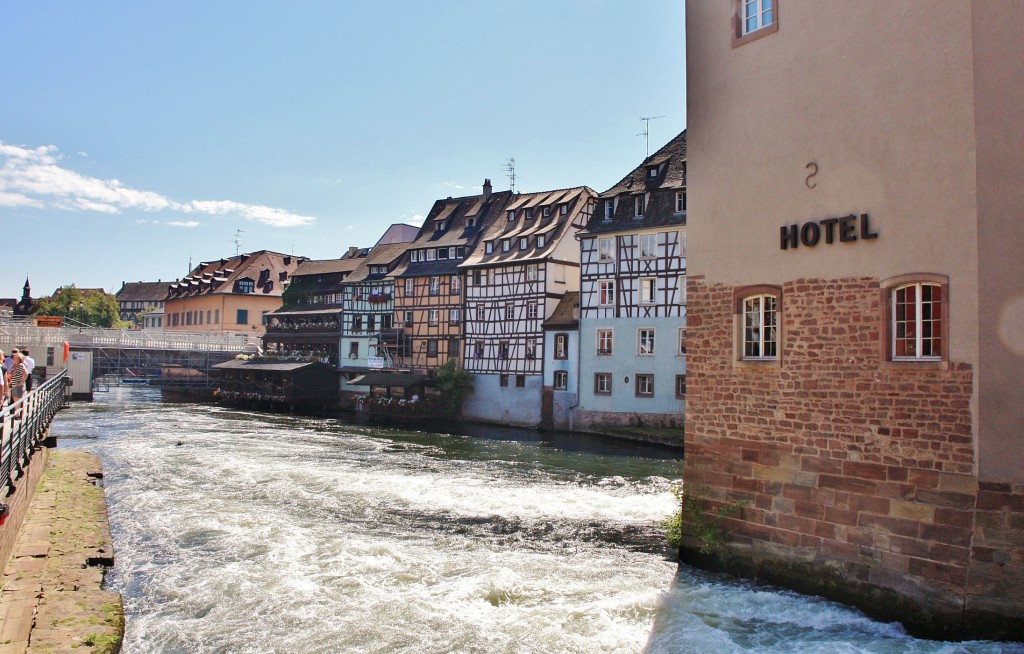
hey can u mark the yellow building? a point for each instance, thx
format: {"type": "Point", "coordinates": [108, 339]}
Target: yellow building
{"type": "Point", "coordinates": [229, 295]}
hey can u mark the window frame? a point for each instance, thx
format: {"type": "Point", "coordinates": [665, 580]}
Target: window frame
{"type": "Point", "coordinates": [680, 381]}
{"type": "Point", "coordinates": [742, 36]}
{"type": "Point", "coordinates": [645, 342]}
{"type": "Point", "coordinates": [889, 287]}
{"type": "Point", "coordinates": [643, 379]}
{"type": "Point", "coordinates": [606, 292]}
{"type": "Point", "coordinates": [561, 345]}
{"type": "Point", "coordinates": [599, 377]}
{"type": "Point", "coordinates": [681, 201]}
{"type": "Point", "coordinates": [602, 256]}
{"type": "Point", "coordinates": [560, 380]}
{"type": "Point", "coordinates": [642, 250]}
{"type": "Point", "coordinates": [604, 336]}
{"type": "Point", "coordinates": [741, 297]}
{"type": "Point", "coordinates": [681, 342]}
{"type": "Point", "coordinates": [650, 296]}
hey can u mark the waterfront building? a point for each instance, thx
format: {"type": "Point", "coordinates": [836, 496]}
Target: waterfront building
{"type": "Point", "coordinates": [528, 259]}
{"type": "Point", "coordinates": [137, 298]}
{"type": "Point", "coordinates": [429, 286]}
{"type": "Point", "coordinates": [369, 309]}
{"type": "Point", "coordinates": [855, 296]}
{"type": "Point", "coordinates": [561, 364]}
{"type": "Point", "coordinates": [308, 325]}
{"type": "Point", "coordinates": [229, 294]}
{"type": "Point", "coordinates": [633, 299]}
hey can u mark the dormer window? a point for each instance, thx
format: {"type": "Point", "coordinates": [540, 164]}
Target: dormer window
{"type": "Point", "coordinates": [529, 214]}
{"type": "Point", "coordinates": [488, 247]}
{"type": "Point", "coordinates": [652, 172]}
{"type": "Point", "coordinates": [440, 226]}
{"type": "Point", "coordinates": [563, 209]}
{"type": "Point", "coordinates": [523, 242]}
{"type": "Point", "coordinates": [471, 222]}
{"type": "Point", "coordinates": [511, 216]}
{"type": "Point", "coordinates": [246, 286]}
{"type": "Point", "coordinates": [609, 209]}
{"type": "Point", "coordinates": [680, 201]}
{"type": "Point", "coordinates": [431, 254]}
{"type": "Point", "coordinates": [506, 245]}
{"type": "Point", "coordinates": [639, 207]}
{"type": "Point", "coordinates": [442, 253]}
{"type": "Point", "coordinates": [547, 211]}
{"type": "Point", "coordinates": [540, 241]}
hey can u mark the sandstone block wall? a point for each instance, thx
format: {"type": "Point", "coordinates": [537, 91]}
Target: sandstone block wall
{"type": "Point", "coordinates": [856, 476]}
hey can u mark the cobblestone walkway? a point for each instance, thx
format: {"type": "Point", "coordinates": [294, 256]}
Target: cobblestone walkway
{"type": "Point", "coordinates": [51, 600]}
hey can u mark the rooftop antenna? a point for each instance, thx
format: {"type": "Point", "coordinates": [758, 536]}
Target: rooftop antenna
{"type": "Point", "coordinates": [190, 263]}
{"type": "Point", "coordinates": [238, 240]}
{"type": "Point", "coordinates": [647, 130]}
{"type": "Point", "coordinates": [510, 172]}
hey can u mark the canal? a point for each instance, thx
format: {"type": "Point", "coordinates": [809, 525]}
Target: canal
{"type": "Point", "coordinates": [237, 531]}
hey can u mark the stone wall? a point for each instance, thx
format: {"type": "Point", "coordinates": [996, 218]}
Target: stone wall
{"type": "Point", "coordinates": [856, 476]}
{"type": "Point", "coordinates": [18, 504]}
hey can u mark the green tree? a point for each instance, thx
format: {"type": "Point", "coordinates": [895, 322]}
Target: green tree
{"type": "Point", "coordinates": [454, 384]}
{"type": "Point", "coordinates": [89, 307]}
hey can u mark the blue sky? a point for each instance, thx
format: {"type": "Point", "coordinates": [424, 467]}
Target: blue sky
{"type": "Point", "coordinates": [137, 135]}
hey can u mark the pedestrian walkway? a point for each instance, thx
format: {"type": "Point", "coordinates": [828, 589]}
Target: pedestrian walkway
{"type": "Point", "coordinates": [52, 598]}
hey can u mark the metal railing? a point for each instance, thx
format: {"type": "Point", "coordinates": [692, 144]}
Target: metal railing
{"type": "Point", "coordinates": [14, 332]}
{"type": "Point", "coordinates": [23, 425]}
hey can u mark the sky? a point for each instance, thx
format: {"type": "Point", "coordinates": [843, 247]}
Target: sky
{"type": "Point", "coordinates": [136, 137]}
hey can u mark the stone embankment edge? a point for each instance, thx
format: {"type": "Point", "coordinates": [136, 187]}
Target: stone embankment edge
{"type": "Point", "coordinates": [52, 598]}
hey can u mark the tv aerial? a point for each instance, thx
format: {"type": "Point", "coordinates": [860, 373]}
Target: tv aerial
{"type": "Point", "coordinates": [647, 130]}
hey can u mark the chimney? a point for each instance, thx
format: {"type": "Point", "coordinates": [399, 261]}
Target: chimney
{"type": "Point", "coordinates": [487, 190]}
{"type": "Point", "coordinates": [351, 252]}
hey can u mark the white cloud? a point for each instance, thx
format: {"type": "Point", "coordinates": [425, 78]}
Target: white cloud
{"type": "Point", "coordinates": [417, 220]}
{"type": "Point", "coordinates": [183, 223]}
{"type": "Point", "coordinates": [32, 177]}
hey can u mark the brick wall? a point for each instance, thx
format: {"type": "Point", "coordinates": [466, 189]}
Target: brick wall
{"type": "Point", "coordinates": [856, 477]}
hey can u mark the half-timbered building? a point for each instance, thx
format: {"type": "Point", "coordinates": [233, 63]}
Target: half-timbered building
{"type": "Point", "coordinates": [429, 287]}
{"type": "Point", "coordinates": [308, 325]}
{"type": "Point", "coordinates": [633, 298]}
{"type": "Point", "coordinates": [369, 309]}
{"type": "Point", "coordinates": [527, 260]}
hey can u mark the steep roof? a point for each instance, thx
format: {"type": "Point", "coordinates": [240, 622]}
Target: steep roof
{"type": "Point", "coordinates": [566, 313]}
{"type": "Point", "coordinates": [142, 292]}
{"type": "Point", "coordinates": [530, 222]}
{"type": "Point", "coordinates": [668, 165]}
{"type": "Point", "coordinates": [381, 255]}
{"type": "Point", "coordinates": [268, 270]}
{"type": "Point", "coordinates": [326, 266]}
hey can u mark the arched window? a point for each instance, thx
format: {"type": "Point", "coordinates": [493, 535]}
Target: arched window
{"type": "Point", "coordinates": [916, 320]}
{"type": "Point", "coordinates": [757, 318]}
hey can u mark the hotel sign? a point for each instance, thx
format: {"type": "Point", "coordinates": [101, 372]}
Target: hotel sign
{"type": "Point", "coordinates": [845, 230]}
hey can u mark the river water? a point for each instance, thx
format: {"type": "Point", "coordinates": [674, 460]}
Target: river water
{"type": "Point", "coordinates": [236, 531]}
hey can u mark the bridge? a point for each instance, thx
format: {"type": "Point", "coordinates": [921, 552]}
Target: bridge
{"type": "Point", "coordinates": [180, 360]}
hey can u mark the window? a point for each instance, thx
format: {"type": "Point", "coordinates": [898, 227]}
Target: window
{"type": "Point", "coordinates": [478, 350]}
{"type": "Point", "coordinates": [606, 292]}
{"type": "Point", "coordinates": [477, 277]}
{"type": "Point", "coordinates": [561, 346]}
{"type": "Point", "coordinates": [454, 285]}
{"type": "Point", "coordinates": [561, 380]}
{"type": "Point", "coordinates": [681, 295]}
{"type": "Point", "coordinates": [916, 322]}
{"type": "Point", "coordinates": [524, 242]}
{"type": "Point", "coordinates": [520, 381]}
{"type": "Point", "coordinates": [506, 244]}
{"type": "Point", "coordinates": [371, 322]}
{"type": "Point", "coordinates": [407, 319]}
{"type": "Point", "coordinates": [563, 209]}
{"type": "Point", "coordinates": [511, 216]}
{"type": "Point", "coordinates": [532, 310]}
{"type": "Point", "coordinates": [503, 381]}
{"type": "Point", "coordinates": [531, 272]}
{"type": "Point", "coordinates": [510, 312]}
{"type": "Point", "coordinates": [432, 317]}
{"type": "Point", "coordinates": [503, 350]}
{"type": "Point", "coordinates": [208, 317]}
{"type": "Point", "coordinates": [645, 385]}
{"type": "Point", "coordinates": [442, 254]}
{"type": "Point", "coordinates": [357, 323]}
{"type": "Point", "coordinates": [648, 246]}
{"type": "Point", "coordinates": [652, 172]}
{"type": "Point", "coordinates": [488, 247]}
{"type": "Point", "coordinates": [246, 286]}
{"type": "Point", "coordinates": [757, 14]}
{"type": "Point", "coordinates": [353, 350]}
{"type": "Point", "coordinates": [453, 316]}
{"type": "Point", "coordinates": [647, 290]}
{"type": "Point", "coordinates": [242, 317]}
{"type": "Point", "coordinates": [547, 211]}
{"type": "Point", "coordinates": [638, 206]}
{"type": "Point", "coordinates": [440, 225]}
{"type": "Point", "coordinates": [645, 342]}
{"type": "Point", "coordinates": [453, 347]}
{"type": "Point", "coordinates": [529, 214]}
{"type": "Point", "coordinates": [680, 386]}
{"type": "Point", "coordinates": [602, 383]}
{"type": "Point", "coordinates": [541, 240]}
{"type": "Point", "coordinates": [609, 209]}
{"type": "Point", "coordinates": [680, 201]}
{"type": "Point", "coordinates": [216, 316]}
{"type": "Point", "coordinates": [605, 249]}
{"type": "Point", "coordinates": [431, 348]}
{"type": "Point", "coordinates": [435, 285]}
{"type": "Point", "coordinates": [604, 341]}
{"type": "Point", "coordinates": [410, 286]}
{"type": "Point", "coordinates": [760, 327]}
{"type": "Point", "coordinates": [681, 345]}
{"type": "Point", "coordinates": [531, 349]}
{"type": "Point", "coordinates": [431, 254]}
{"type": "Point", "coordinates": [385, 321]}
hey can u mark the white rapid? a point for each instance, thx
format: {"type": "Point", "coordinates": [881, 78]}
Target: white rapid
{"type": "Point", "coordinates": [244, 532]}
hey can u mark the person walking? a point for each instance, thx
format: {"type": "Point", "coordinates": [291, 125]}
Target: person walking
{"type": "Point", "coordinates": [18, 375]}
{"type": "Point", "coordinates": [9, 361]}
{"type": "Point", "coordinates": [3, 383]}
{"type": "Point", "coordinates": [30, 366]}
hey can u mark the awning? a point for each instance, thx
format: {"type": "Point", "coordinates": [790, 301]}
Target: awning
{"type": "Point", "coordinates": [402, 379]}
{"type": "Point", "coordinates": [278, 367]}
